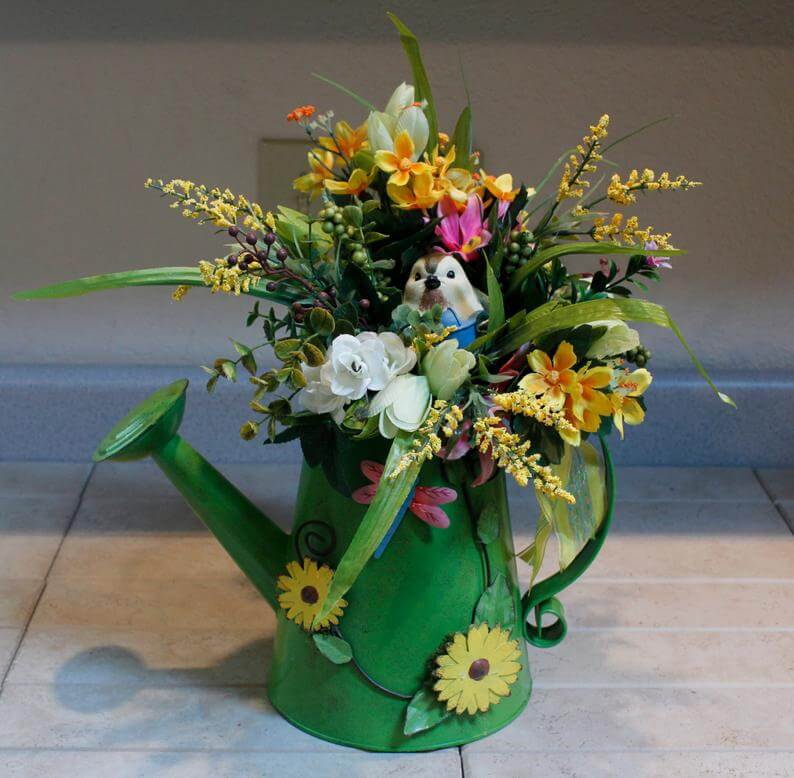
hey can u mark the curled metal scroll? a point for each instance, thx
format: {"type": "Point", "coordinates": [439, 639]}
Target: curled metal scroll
{"type": "Point", "coordinates": [314, 539]}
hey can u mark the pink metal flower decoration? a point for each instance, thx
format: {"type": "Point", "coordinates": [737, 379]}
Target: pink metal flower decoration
{"type": "Point", "coordinates": [425, 500]}
{"type": "Point", "coordinates": [463, 233]}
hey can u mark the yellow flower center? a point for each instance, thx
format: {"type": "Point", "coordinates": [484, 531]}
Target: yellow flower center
{"type": "Point", "coordinates": [478, 669]}
{"type": "Point", "coordinates": [405, 163]}
{"type": "Point", "coordinates": [553, 376]}
{"type": "Point", "coordinates": [309, 595]}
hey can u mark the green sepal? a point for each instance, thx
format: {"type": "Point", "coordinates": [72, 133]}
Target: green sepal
{"type": "Point", "coordinates": [334, 649]}
{"type": "Point", "coordinates": [495, 606]}
{"type": "Point", "coordinates": [424, 712]}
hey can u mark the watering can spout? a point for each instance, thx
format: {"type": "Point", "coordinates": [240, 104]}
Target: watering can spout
{"type": "Point", "coordinates": [255, 543]}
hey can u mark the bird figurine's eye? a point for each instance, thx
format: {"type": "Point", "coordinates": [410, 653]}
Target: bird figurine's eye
{"type": "Point", "coordinates": [417, 276]}
{"type": "Point", "coordinates": [450, 274]}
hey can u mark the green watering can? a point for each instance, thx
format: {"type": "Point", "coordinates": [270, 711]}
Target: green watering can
{"type": "Point", "coordinates": [406, 604]}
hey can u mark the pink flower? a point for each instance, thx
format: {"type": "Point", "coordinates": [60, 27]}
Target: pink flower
{"type": "Point", "coordinates": [463, 233]}
{"type": "Point", "coordinates": [423, 504]}
{"type": "Point", "coordinates": [656, 261]}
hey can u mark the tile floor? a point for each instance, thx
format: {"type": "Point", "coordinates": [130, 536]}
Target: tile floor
{"type": "Point", "coordinates": [131, 646]}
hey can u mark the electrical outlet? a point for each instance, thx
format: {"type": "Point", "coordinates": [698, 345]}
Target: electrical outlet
{"type": "Point", "coordinates": [280, 162]}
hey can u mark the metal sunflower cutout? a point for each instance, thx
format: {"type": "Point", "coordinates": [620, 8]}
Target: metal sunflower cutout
{"type": "Point", "coordinates": [477, 669]}
{"type": "Point", "coordinates": [305, 587]}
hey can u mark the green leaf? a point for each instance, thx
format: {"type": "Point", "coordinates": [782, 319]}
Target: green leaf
{"type": "Point", "coordinates": [249, 363]}
{"type": "Point", "coordinates": [334, 649]}
{"type": "Point", "coordinates": [424, 712]}
{"type": "Point", "coordinates": [496, 304]}
{"type": "Point", "coordinates": [389, 498]}
{"type": "Point", "coordinates": [548, 318]}
{"type": "Point", "coordinates": [349, 92]}
{"type": "Point", "coordinates": [534, 553]}
{"type": "Point", "coordinates": [495, 606]}
{"type": "Point", "coordinates": [461, 140]}
{"type": "Point", "coordinates": [153, 276]}
{"type": "Point", "coordinates": [353, 215]}
{"type": "Point", "coordinates": [229, 369]}
{"type": "Point", "coordinates": [240, 348]}
{"type": "Point", "coordinates": [488, 525]}
{"type": "Point", "coordinates": [544, 256]}
{"type": "Point", "coordinates": [421, 81]}
{"type": "Point", "coordinates": [284, 349]}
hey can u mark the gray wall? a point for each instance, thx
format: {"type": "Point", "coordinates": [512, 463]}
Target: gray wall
{"type": "Point", "coordinates": [96, 98]}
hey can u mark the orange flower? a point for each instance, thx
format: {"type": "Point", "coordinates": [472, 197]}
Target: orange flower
{"type": "Point", "coordinates": [321, 163]}
{"type": "Point", "coordinates": [346, 141]}
{"type": "Point", "coordinates": [357, 183]}
{"type": "Point", "coordinates": [300, 113]}
{"type": "Point", "coordinates": [423, 192]}
{"type": "Point", "coordinates": [400, 162]}
{"type": "Point", "coordinates": [500, 187]}
{"type": "Point", "coordinates": [587, 403]}
{"type": "Point", "coordinates": [553, 379]}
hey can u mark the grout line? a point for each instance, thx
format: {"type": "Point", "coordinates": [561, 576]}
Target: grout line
{"type": "Point", "coordinates": [773, 501]}
{"type": "Point", "coordinates": [45, 579]}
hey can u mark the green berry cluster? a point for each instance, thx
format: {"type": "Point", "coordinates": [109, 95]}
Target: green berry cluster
{"type": "Point", "coordinates": [335, 224]}
{"type": "Point", "coordinates": [640, 356]}
{"type": "Point", "coordinates": [519, 250]}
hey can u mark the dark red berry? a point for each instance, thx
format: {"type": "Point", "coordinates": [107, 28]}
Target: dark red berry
{"type": "Point", "coordinates": [297, 307]}
{"type": "Point", "coordinates": [270, 238]}
{"type": "Point", "coordinates": [243, 266]}
{"type": "Point", "coordinates": [231, 261]}
{"type": "Point", "coordinates": [281, 255]}
{"type": "Point", "coordinates": [271, 286]}
{"type": "Point", "coordinates": [250, 237]}
{"type": "Point", "coordinates": [324, 296]}
{"type": "Point", "coordinates": [364, 304]}
{"type": "Point", "coordinates": [261, 255]}
{"type": "Point", "coordinates": [234, 231]}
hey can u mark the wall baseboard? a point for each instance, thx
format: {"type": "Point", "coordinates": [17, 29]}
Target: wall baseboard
{"type": "Point", "coordinates": [60, 412]}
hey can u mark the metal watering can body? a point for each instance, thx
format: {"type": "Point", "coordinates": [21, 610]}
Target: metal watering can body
{"type": "Point", "coordinates": [402, 610]}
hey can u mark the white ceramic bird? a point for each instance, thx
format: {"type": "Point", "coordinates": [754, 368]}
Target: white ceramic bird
{"type": "Point", "coordinates": [439, 279]}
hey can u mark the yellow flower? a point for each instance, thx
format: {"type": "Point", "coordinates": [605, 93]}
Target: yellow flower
{"type": "Point", "coordinates": [346, 140]}
{"type": "Point", "coordinates": [623, 192]}
{"type": "Point", "coordinates": [305, 588]}
{"type": "Point", "coordinates": [459, 184]}
{"type": "Point", "coordinates": [321, 163]}
{"type": "Point", "coordinates": [624, 405]}
{"type": "Point", "coordinates": [572, 183]}
{"type": "Point", "coordinates": [442, 163]}
{"type": "Point", "coordinates": [477, 669]}
{"type": "Point", "coordinates": [552, 379]}
{"type": "Point", "coordinates": [421, 194]}
{"type": "Point", "coordinates": [400, 162]}
{"type": "Point", "coordinates": [355, 185]}
{"type": "Point", "coordinates": [501, 187]}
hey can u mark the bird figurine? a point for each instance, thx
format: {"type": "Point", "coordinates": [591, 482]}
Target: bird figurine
{"type": "Point", "coordinates": [439, 279]}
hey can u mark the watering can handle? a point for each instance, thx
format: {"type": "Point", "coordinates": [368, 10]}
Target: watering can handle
{"type": "Point", "coordinates": [541, 598]}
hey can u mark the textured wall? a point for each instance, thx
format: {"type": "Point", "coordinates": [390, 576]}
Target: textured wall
{"type": "Point", "coordinates": [96, 98]}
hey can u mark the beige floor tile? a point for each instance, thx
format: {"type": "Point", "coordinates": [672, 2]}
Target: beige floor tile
{"type": "Point", "coordinates": [34, 479]}
{"type": "Point", "coordinates": [689, 540]}
{"type": "Point", "coordinates": [9, 637]}
{"type": "Point", "coordinates": [619, 659]}
{"type": "Point", "coordinates": [81, 716]}
{"type": "Point", "coordinates": [679, 605]}
{"type": "Point", "coordinates": [163, 604]}
{"type": "Point", "coordinates": [141, 539]}
{"type": "Point", "coordinates": [575, 720]}
{"type": "Point", "coordinates": [193, 764]}
{"type": "Point", "coordinates": [92, 655]}
{"type": "Point", "coordinates": [17, 598]}
{"type": "Point", "coordinates": [779, 482]}
{"type": "Point", "coordinates": [656, 764]}
{"type": "Point", "coordinates": [31, 529]}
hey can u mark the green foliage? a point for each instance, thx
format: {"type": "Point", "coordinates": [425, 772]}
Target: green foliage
{"type": "Point", "coordinates": [461, 140]}
{"type": "Point", "coordinates": [488, 525]}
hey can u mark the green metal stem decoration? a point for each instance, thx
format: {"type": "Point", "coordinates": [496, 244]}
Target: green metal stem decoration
{"type": "Point", "coordinates": [541, 597]}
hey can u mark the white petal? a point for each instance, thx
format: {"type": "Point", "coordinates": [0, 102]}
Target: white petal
{"type": "Point", "coordinates": [380, 127]}
{"type": "Point", "coordinates": [401, 98]}
{"type": "Point", "coordinates": [414, 121]}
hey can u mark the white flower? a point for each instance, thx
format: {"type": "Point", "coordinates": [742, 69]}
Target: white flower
{"type": "Point", "coordinates": [618, 339]}
{"type": "Point", "coordinates": [447, 367]}
{"type": "Point", "coordinates": [353, 366]}
{"type": "Point", "coordinates": [400, 115]}
{"type": "Point", "coordinates": [402, 405]}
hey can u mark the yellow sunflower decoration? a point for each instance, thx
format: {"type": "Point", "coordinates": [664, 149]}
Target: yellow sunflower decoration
{"type": "Point", "coordinates": [477, 669]}
{"type": "Point", "coordinates": [305, 587]}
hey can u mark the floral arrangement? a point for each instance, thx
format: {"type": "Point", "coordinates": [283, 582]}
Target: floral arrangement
{"type": "Point", "coordinates": [426, 298]}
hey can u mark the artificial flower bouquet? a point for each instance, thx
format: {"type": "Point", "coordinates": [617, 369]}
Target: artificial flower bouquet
{"type": "Point", "coordinates": [424, 300]}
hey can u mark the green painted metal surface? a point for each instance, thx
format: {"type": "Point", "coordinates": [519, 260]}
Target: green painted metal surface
{"type": "Point", "coordinates": [401, 610]}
